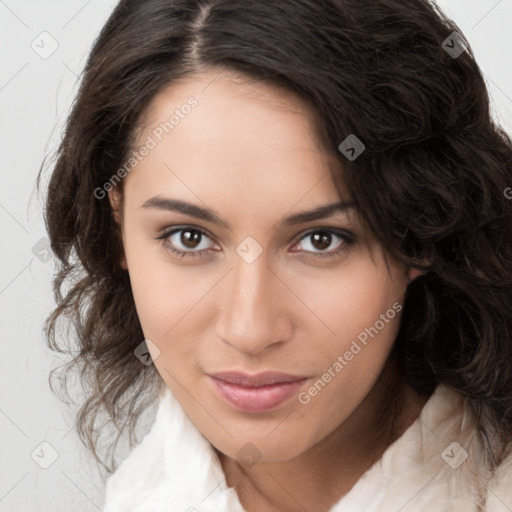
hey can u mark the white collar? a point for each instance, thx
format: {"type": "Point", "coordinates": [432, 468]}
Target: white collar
{"type": "Point", "coordinates": [175, 469]}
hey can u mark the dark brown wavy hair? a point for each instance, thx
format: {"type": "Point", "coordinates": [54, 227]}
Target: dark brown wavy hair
{"type": "Point", "coordinates": [430, 185]}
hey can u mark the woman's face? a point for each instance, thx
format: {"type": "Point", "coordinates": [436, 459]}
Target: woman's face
{"type": "Point", "coordinates": [257, 288]}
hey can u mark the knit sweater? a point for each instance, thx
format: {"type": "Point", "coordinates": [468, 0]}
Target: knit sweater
{"type": "Point", "coordinates": [437, 464]}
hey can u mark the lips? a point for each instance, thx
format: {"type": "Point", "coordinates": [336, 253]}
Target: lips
{"type": "Point", "coordinates": [259, 393]}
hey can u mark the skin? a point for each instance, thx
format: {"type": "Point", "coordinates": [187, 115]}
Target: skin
{"type": "Point", "coordinates": [248, 151]}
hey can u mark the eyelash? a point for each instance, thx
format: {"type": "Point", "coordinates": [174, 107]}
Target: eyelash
{"type": "Point", "coordinates": [348, 238]}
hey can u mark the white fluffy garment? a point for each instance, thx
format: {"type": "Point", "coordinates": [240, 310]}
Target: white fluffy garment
{"type": "Point", "coordinates": [435, 466]}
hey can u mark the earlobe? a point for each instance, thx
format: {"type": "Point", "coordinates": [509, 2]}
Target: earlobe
{"type": "Point", "coordinates": [413, 273]}
{"type": "Point", "coordinates": [122, 261]}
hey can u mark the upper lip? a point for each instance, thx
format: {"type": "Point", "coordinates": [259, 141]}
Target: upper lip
{"type": "Point", "coordinates": [260, 379]}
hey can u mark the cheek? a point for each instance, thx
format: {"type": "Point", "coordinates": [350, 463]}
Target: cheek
{"type": "Point", "coordinates": [361, 311]}
{"type": "Point", "coordinates": [162, 290]}
{"type": "Point", "coordinates": [167, 302]}
{"type": "Point", "coordinates": [352, 298]}
{"type": "Point", "coordinates": [349, 368]}
{"type": "Point", "coordinates": [155, 291]}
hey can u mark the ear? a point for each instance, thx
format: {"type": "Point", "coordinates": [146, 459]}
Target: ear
{"type": "Point", "coordinates": [413, 273]}
{"type": "Point", "coordinates": [115, 202]}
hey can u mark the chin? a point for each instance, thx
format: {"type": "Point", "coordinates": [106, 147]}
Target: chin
{"type": "Point", "coordinates": [258, 448]}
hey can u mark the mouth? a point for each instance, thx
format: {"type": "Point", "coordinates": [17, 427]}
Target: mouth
{"type": "Point", "coordinates": [259, 393]}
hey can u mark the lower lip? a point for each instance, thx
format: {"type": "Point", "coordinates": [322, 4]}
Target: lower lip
{"type": "Point", "coordinates": [259, 399]}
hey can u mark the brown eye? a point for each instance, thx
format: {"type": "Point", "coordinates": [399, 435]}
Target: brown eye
{"type": "Point", "coordinates": [186, 242]}
{"type": "Point", "coordinates": [321, 240]}
{"type": "Point", "coordinates": [318, 242]}
{"type": "Point", "coordinates": [190, 238]}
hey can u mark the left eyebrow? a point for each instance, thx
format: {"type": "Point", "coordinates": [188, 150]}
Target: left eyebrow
{"type": "Point", "coordinates": [176, 205]}
{"type": "Point", "coordinates": [321, 212]}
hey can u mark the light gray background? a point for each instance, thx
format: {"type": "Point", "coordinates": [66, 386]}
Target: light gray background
{"type": "Point", "coordinates": [35, 96]}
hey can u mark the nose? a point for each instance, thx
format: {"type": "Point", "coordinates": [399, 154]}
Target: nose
{"type": "Point", "coordinates": [254, 310]}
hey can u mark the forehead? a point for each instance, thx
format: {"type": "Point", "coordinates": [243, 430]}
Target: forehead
{"type": "Point", "coordinates": [235, 104]}
{"type": "Point", "coordinates": [242, 139]}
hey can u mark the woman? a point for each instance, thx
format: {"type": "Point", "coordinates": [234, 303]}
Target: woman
{"type": "Point", "coordinates": [286, 224]}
